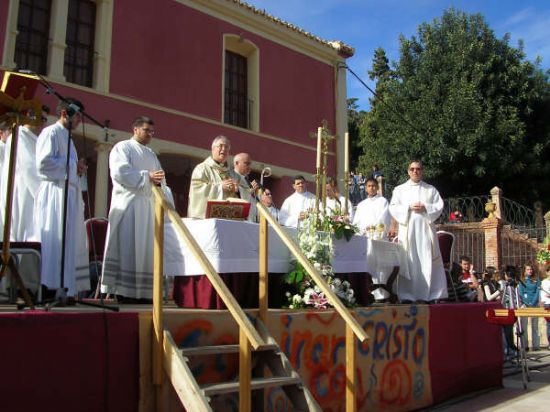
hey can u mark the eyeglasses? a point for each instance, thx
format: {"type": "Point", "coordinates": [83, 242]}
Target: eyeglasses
{"type": "Point", "coordinates": [147, 130]}
{"type": "Point", "coordinates": [412, 169]}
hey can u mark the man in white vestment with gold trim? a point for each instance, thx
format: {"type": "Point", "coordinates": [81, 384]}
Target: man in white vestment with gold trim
{"type": "Point", "coordinates": [212, 179]}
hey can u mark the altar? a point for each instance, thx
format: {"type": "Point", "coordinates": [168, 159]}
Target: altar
{"type": "Point", "coordinates": [232, 247]}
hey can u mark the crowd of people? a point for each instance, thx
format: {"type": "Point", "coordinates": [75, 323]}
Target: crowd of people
{"type": "Point", "coordinates": [514, 289]}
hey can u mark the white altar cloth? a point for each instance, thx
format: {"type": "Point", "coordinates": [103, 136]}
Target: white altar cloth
{"type": "Point", "coordinates": [232, 247]}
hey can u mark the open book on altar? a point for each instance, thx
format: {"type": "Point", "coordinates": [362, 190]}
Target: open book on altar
{"type": "Point", "coordinates": [232, 208]}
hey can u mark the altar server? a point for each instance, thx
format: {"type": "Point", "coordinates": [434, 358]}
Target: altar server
{"type": "Point", "coordinates": [128, 261]}
{"type": "Point", "coordinates": [297, 204]}
{"type": "Point", "coordinates": [372, 211]}
{"type": "Point", "coordinates": [51, 160]}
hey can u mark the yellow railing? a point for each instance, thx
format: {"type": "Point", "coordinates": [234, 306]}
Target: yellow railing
{"type": "Point", "coordinates": [248, 336]}
{"type": "Point", "coordinates": [353, 328]}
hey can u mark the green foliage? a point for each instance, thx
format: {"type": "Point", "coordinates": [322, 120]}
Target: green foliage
{"type": "Point", "coordinates": [466, 103]}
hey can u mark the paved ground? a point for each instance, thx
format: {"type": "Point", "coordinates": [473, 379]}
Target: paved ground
{"type": "Point", "coordinates": [513, 396]}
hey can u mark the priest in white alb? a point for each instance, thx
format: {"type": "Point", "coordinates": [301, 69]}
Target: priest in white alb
{"type": "Point", "coordinates": [128, 260]}
{"type": "Point", "coordinates": [297, 204]}
{"type": "Point", "coordinates": [51, 160]}
{"type": "Point", "coordinates": [416, 205]}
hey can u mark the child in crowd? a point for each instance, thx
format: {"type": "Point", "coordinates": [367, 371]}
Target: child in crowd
{"type": "Point", "coordinates": [491, 288]}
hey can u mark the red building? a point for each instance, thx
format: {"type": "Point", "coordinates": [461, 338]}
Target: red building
{"type": "Point", "coordinates": [199, 68]}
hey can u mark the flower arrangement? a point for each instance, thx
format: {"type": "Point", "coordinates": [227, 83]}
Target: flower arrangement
{"type": "Point", "coordinates": [318, 249]}
{"type": "Point", "coordinates": [339, 224]}
{"type": "Point", "coordinates": [543, 254]}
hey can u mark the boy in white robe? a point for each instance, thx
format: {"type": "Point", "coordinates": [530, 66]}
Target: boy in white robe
{"type": "Point", "coordinates": [297, 204]}
{"type": "Point", "coordinates": [416, 205]}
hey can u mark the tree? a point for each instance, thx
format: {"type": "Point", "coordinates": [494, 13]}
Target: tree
{"type": "Point", "coordinates": [466, 103]}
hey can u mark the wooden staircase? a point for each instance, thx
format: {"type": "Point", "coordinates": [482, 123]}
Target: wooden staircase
{"type": "Point", "coordinates": [270, 368]}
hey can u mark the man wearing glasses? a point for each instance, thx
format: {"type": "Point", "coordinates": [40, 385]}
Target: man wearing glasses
{"type": "Point", "coordinates": [267, 201]}
{"type": "Point", "coordinates": [212, 179]}
{"type": "Point", "coordinates": [128, 261]}
{"type": "Point", "coordinates": [415, 205]}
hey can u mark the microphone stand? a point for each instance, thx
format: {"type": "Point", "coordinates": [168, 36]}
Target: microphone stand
{"type": "Point", "coordinates": [61, 293]}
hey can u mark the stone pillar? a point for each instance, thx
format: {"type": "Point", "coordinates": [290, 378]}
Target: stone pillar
{"type": "Point", "coordinates": [102, 179]}
{"type": "Point", "coordinates": [58, 33]}
{"type": "Point", "coordinates": [496, 196]}
{"type": "Point", "coordinates": [341, 119]}
{"type": "Point", "coordinates": [493, 250]}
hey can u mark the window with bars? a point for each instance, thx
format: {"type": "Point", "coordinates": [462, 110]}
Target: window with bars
{"type": "Point", "coordinates": [79, 55]}
{"type": "Point", "coordinates": [236, 90]}
{"type": "Point", "coordinates": [33, 26]}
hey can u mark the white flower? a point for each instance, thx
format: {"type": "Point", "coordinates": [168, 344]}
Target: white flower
{"type": "Point", "coordinates": [296, 299]}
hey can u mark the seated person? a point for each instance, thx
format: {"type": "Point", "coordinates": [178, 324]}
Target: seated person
{"type": "Point", "coordinates": [267, 200]}
{"type": "Point", "coordinates": [335, 202]}
{"type": "Point", "coordinates": [468, 276]}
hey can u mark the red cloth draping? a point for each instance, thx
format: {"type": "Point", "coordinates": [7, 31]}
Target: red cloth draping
{"type": "Point", "coordinates": [69, 361]}
{"type": "Point", "coordinates": [465, 350]}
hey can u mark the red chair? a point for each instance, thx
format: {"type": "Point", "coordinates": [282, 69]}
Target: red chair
{"type": "Point", "coordinates": [446, 242]}
{"type": "Point", "coordinates": [96, 230]}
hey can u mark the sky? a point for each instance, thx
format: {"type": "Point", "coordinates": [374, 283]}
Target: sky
{"type": "Point", "coordinates": [368, 24]}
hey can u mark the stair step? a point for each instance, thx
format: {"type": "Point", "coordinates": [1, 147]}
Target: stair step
{"type": "Point", "coordinates": [256, 383]}
{"type": "Point", "coordinates": [221, 349]}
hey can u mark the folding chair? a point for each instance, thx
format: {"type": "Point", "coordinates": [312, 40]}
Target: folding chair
{"type": "Point", "coordinates": [446, 242]}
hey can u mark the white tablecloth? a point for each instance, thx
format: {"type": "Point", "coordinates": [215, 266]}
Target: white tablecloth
{"type": "Point", "coordinates": [232, 247]}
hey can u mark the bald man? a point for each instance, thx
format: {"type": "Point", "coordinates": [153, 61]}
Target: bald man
{"type": "Point", "coordinates": [247, 188]}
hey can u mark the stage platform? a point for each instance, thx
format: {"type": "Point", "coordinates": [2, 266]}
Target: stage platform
{"type": "Point", "coordinates": [83, 359]}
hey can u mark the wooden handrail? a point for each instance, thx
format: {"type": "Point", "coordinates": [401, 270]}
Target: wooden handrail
{"type": "Point", "coordinates": [525, 312]}
{"type": "Point", "coordinates": [232, 305]}
{"type": "Point", "coordinates": [315, 275]}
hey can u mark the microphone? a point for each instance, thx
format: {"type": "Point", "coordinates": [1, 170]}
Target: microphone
{"type": "Point", "coordinates": [72, 110]}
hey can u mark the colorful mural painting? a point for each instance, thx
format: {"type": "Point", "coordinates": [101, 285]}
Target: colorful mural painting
{"type": "Point", "coordinates": [393, 366]}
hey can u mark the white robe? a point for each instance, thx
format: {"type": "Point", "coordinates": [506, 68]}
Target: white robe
{"type": "Point", "coordinates": [206, 184]}
{"type": "Point", "coordinates": [333, 206]}
{"type": "Point", "coordinates": [128, 258]}
{"type": "Point", "coordinates": [25, 187]}
{"type": "Point", "coordinates": [417, 234]}
{"type": "Point", "coordinates": [51, 158]}
{"type": "Point", "coordinates": [371, 212]}
{"type": "Point", "coordinates": [293, 206]}
{"type": "Point", "coordinates": [2, 207]}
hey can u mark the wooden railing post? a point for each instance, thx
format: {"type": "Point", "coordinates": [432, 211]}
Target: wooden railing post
{"type": "Point", "coordinates": [351, 403]}
{"type": "Point", "coordinates": [263, 270]}
{"type": "Point", "coordinates": [245, 373]}
{"type": "Point", "coordinates": [158, 344]}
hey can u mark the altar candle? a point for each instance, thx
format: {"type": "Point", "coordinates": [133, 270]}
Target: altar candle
{"type": "Point", "coordinates": [346, 152]}
{"type": "Point", "coordinates": [319, 145]}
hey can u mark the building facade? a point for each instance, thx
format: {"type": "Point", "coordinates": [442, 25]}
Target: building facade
{"type": "Point", "coordinates": [199, 68]}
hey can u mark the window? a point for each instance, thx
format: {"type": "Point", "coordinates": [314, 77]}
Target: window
{"type": "Point", "coordinates": [236, 85]}
{"type": "Point", "coordinates": [79, 55]}
{"type": "Point", "coordinates": [33, 25]}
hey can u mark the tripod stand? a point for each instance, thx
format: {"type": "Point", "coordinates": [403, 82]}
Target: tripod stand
{"type": "Point", "coordinates": [510, 298]}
